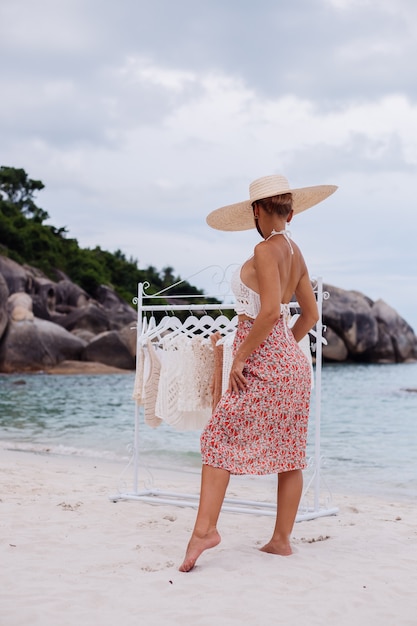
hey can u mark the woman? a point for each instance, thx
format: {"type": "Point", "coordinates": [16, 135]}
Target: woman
{"type": "Point", "coordinates": [260, 424]}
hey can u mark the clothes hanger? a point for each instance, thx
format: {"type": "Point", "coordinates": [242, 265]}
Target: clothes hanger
{"type": "Point", "coordinates": [228, 330]}
{"type": "Point", "coordinates": [168, 323]}
{"type": "Point", "coordinates": [221, 324]}
{"type": "Point", "coordinates": [186, 328]}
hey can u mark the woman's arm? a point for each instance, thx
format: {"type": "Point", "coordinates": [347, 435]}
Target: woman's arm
{"type": "Point", "coordinates": [269, 282]}
{"type": "Point", "coordinates": [308, 305]}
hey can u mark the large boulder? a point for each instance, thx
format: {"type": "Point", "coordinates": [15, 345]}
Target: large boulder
{"type": "Point", "coordinates": [91, 317]}
{"type": "Point", "coordinates": [32, 281]}
{"type": "Point", "coordinates": [349, 314]}
{"type": "Point", "coordinates": [120, 313]}
{"type": "Point", "coordinates": [110, 348]}
{"type": "Point", "coordinates": [4, 294]}
{"type": "Point", "coordinates": [335, 349]}
{"type": "Point", "coordinates": [44, 299]}
{"type": "Point", "coordinates": [68, 295]}
{"type": "Point", "coordinates": [403, 340]}
{"type": "Point", "coordinates": [15, 275]}
{"type": "Point", "coordinates": [128, 335]}
{"type": "Point", "coordinates": [107, 312]}
{"type": "Point", "coordinates": [19, 306]}
{"type": "Point", "coordinates": [363, 330]}
{"type": "Point", "coordinates": [34, 344]}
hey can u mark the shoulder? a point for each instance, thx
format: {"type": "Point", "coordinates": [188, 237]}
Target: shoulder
{"type": "Point", "coordinates": [276, 248]}
{"type": "Point", "coordinates": [267, 259]}
{"type": "Point", "coordinates": [263, 250]}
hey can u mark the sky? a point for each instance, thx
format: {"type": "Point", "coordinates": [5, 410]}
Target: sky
{"type": "Point", "coordinates": [140, 117]}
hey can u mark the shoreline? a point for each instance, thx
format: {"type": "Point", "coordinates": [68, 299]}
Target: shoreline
{"type": "Point", "coordinates": [94, 367]}
{"type": "Point", "coordinates": [330, 486]}
{"type": "Point", "coordinates": [70, 555]}
{"type": "Point", "coordinates": [72, 368]}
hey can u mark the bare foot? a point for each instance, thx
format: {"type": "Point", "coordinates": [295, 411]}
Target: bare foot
{"type": "Point", "coordinates": [196, 546]}
{"type": "Point", "coordinates": [283, 548]}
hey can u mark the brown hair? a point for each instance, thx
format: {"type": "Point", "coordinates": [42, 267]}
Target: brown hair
{"type": "Point", "coordinates": [280, 205]}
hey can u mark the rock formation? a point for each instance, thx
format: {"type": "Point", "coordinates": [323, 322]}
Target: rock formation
{"type": "Point", "coordinates": [4, 294]}
{"type": "Point", "coordinates": [44, 323]}
{"type": "Point", "coordinates": [35, 344]}
{"type": "Point", "coordinates": [110, 348]}
{"type": "Point", "coordinates": [359, 329]}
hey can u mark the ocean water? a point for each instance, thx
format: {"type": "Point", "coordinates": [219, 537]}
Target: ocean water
{"type": "Point", "coordinates": [368, 425]}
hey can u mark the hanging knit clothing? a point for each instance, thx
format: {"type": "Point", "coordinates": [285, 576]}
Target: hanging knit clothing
{"type": "Point", "coordinates": [179, 400]}
{"type": "Point", "coordinates": [218, 369]}
{"type": "Point", "coordinates": [151, 387]}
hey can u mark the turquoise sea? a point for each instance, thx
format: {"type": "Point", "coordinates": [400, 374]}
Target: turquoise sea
{"type": "Point", "coordinates": [368, 426]}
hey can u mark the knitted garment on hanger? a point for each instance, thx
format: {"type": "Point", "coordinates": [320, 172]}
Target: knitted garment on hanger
{"type": "Point", "coordinates": [218, 369]}
{"type": "Point", "coordinates": [175, 375]}
{"type": "Point", "coordinates": [186, 388]}
{"type": "Point", "coordinates": [138, 393]}
{"type": "Point", "coordinates": [227, 360]}
{"type": "Point", "coordinates": [204, 369]}
{"type": "Point", "coordinates": [151, 387]}
{"type": "Point", "coordinates": [195, 391]}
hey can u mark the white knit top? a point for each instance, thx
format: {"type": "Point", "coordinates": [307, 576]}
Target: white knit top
{"type": "Point", "coordinates": [248, 301]}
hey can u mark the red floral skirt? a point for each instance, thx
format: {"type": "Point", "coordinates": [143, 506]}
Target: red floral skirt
{"type": "Point", "coordinates": [263, 429]}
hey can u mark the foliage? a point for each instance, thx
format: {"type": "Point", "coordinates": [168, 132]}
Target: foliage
{"type": "Point", "coordinates": [26, 239]}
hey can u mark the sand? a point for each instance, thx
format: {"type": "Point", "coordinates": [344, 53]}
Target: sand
{"type": "Point", "coordinates": [84, 367]}
{"type": "Point", "coordinates": [71, 556]}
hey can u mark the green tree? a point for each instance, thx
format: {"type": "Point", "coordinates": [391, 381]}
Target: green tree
{"type": "Point", "coordinates": [18, 189]}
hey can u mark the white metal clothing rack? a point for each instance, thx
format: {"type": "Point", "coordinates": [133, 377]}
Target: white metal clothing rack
{"type": "Point", "coordinates": [312, 504]}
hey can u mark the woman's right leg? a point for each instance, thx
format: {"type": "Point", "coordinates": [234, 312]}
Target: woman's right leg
{"type": "Point", "coordinates": [214, 482]}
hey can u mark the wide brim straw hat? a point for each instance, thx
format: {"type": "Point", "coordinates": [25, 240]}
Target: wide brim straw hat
{"type": "Point", "coordinates": [239, 216]}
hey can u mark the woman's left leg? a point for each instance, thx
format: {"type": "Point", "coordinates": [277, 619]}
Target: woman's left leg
{"type": "Point", "coordinates": [290, 487]}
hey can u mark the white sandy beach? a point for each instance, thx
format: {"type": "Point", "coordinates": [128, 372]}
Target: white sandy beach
{"type": "Point", "coordinates": [70, 556]}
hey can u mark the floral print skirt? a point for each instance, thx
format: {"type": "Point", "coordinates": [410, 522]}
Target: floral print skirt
{"type": "Point", "coordinates": [263, 429]}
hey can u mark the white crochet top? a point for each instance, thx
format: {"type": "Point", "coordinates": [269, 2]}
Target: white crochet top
{"type": "Point", "coordinates": [248, 301]}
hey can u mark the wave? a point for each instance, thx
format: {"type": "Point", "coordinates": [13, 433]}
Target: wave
{"type": "Point", "coordinates": [62, 450]}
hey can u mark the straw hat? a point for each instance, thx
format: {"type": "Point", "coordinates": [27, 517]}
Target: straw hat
{"type": "Point", "coordinates": [239, 216]}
